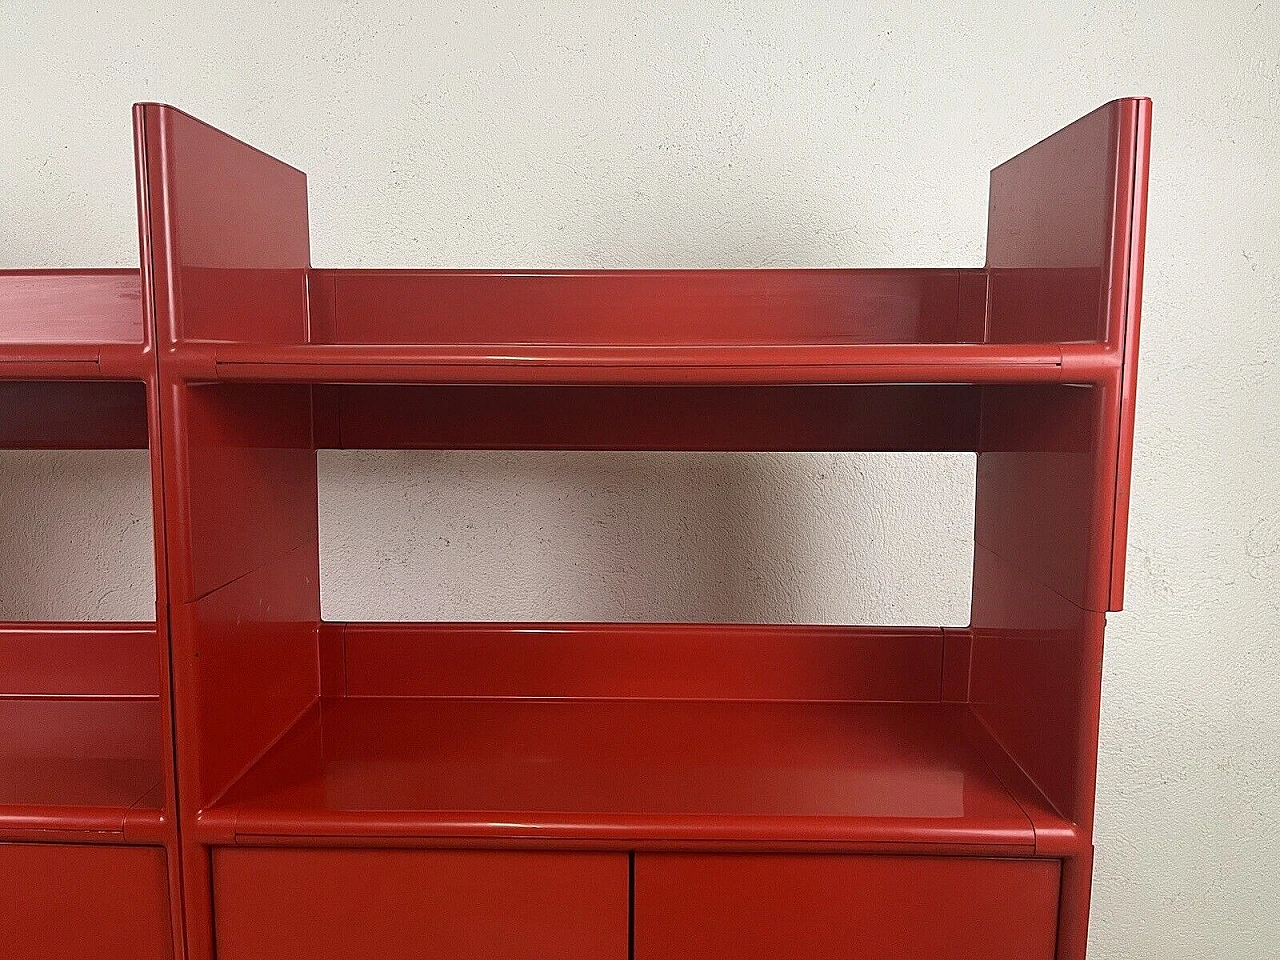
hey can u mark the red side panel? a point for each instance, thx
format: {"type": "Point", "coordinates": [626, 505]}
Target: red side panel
{"type": "Point", "coordinates": [1064, 252]}
{"type": "Point", "coordinates": [1052, 219]}
{"type": "Point", "coordinates": [1064, 256]}
{"type": "Point", "coordinates": [407, 905]}
{"type": "Point", "coordinates": [225, 251]}
{"type": "Point", "coordinates": [225, 227]}
{"type": "Point", "coordinates": [246, 482]}
{"type": "Point", "coordinates": [79, 902]}
{"type": "Point", "coordinates": [1035, 681]}
{"type": "Point", "coordinates": [745, 907]}
{"type": "Point", "coordinates": [1038, 482]}
{"type": "Point", "coordinates": [253, 646]}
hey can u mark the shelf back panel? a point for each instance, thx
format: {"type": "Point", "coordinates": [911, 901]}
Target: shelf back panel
{"type": "Point", "coordinates": [73, 415]}
{"type": "Point", "coordinates": [642, 661]}
{"type": "Point", "coordinates": [79, 660]}
{"type": "Point", "coordinates": [70, 307]}
{"type": "Point", "coordinates": [877, 417]}
{"type": "Point", "coordinates": [647, 307]}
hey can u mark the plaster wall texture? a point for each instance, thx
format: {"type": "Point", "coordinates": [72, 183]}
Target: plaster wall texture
{"type": "Point", "coordinates": [744, 134]}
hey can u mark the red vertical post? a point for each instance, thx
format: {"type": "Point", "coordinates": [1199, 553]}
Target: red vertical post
{"type": "Point", "coordinates": [1063, 251]}
{"type": "Point", "coordinates": [225, 253]}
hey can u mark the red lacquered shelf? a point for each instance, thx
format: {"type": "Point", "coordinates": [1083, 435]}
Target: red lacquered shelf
{"type": "Point", "coordinates": [72, 325]}
{"type": "Point", "coordinates": [635, 327]}
{"type": "Point", "coordinates": [81, 731]}
{"type": "Point", "coordinates": [629, 772]}
{"type": "Point", "coordinates": [81, 765]}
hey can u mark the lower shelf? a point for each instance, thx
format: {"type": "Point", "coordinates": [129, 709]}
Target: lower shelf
{"type": "Point", "coordinates": [629, 772]}
{"type": "Point", "coordinates": [73, 764]}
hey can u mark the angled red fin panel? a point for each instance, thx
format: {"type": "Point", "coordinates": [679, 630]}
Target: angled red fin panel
{"type": "Point", "coordinates": [229, 243]}
{"type": "Point", "coordinates": [225, 252]}
{"type": "Point", "coordinates": [1064, 251]}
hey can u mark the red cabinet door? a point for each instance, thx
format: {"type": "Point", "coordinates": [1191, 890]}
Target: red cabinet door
{"type": "Point", "coordinates": [818, 907]}
{"type": "Point", "coordinates": [73, 902]}
{"type": "Point", "coordinates": [410, 904]}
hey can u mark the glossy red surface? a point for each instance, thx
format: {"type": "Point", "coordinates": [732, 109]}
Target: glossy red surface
{"type": "Point", "coordinates": [405, 905]}
{"type": "Point", "coordinates": [627, 770]}
{"type": "Point", "coordinates": [1053, 466]}
{"type": "Point", "coordinates": [72, 324]}
{"type": "Point", "coordinates": [93, 759]}
{"type": "Point", "coordinates": [69, 902]}
{"type": "Point", "coordinates": [569, 365]}
{"type": "Point", "coordinates": [251, 676]}
{"type": "Point", "coordinates": [979, 741]}
{"type": "Point", "coordinates": [680, 661]}
{"type": "Point", "coordinates": [79, 660]}
{"type": "Point", "coordinates": [81, 752]}
{"type": "Point", "coordinates": [691, 907]}
{"type": "Point", "coordinates": [44, 308]}
{"type": "Point", "coordinates": [613, 308]}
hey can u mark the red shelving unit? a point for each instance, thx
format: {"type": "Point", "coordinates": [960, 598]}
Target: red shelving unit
{"type": "Point", "coordinates": [88, 838]}
{"type": "Point", "coordinates": [522, 790]}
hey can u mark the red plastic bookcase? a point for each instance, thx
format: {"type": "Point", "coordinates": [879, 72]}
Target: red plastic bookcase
{"type": "Point", "coordinates": [522, 790]}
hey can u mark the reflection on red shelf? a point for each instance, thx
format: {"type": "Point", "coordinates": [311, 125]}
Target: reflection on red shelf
{"type": "Point", "coordinates": [95, 758]}
{"type": "Point", "coordinates": [634, 769]}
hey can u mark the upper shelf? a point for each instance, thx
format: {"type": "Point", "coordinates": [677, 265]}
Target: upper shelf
{"type": "Point", "coordinates": [226, 263]}
{"type": "Point", "coordinates": [650, 326]}
{"type": "Point", "coordinates": [71, 325]}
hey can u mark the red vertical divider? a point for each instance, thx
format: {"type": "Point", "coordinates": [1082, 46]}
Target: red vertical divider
{"type": "Point", "coordinates": [225, 253]}
{"type": "Point", "coordinates": [1052, 475]}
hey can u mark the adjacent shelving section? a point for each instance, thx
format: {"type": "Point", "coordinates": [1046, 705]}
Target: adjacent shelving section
{"type": "Point", "coordinates": [86, 769]}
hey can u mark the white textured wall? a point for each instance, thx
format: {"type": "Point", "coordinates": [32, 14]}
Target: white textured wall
{"type": "Point", "coordinates": [732, 537]}
{"type": "Point", "coordinates": [779, 134]}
